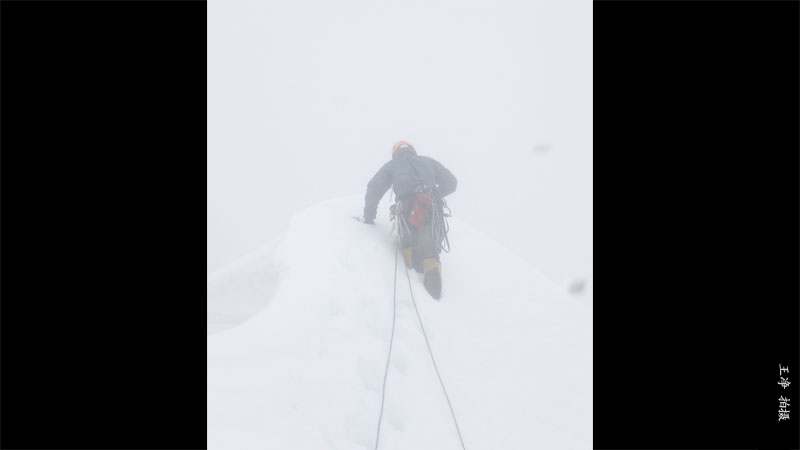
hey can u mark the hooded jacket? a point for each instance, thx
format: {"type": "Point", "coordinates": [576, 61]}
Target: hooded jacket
{"type": "Point", "coordinates": [405, 172]}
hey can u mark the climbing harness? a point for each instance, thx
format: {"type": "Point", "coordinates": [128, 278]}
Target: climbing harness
{"type": "Point", "coordinates": [424, 335]}
{"type": "Point", "coordinates": [427, 199]}
{"type": "Point", "coordinates": [439, 217]}
{"type": "Point", "coordinates": [439, 224]}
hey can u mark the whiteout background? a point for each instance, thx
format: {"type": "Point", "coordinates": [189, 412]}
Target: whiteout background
{"type": "Point", "coordinates": [305, 100]}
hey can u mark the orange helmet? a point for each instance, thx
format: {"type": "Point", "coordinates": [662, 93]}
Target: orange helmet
{"type": "Point", "coordinates": [399, 144]}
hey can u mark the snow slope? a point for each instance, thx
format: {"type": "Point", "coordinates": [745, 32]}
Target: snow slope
{"type": "Point", "coordinates": [299, 333]}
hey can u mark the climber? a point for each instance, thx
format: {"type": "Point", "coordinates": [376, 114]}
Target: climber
{"type": "Point", "coordinates": [419, 185]}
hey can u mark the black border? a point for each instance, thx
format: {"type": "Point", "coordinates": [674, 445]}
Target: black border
{"type": "Point", "coordinates": [102, 190]}
{"type": "Point", "coordinates": [696, 201]}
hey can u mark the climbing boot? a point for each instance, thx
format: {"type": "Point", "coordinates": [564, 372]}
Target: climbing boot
{"type": "Point", "coordinates": [433, 277]}
{"type": "Point", "coordinates": [407, 253]}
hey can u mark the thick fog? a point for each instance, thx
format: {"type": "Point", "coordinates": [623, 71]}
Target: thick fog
{"type": "Point", "coordinates": [305, 100]}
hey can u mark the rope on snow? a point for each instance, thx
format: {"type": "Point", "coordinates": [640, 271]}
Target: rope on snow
{"type": "Point", "coordinates": [427, 343]}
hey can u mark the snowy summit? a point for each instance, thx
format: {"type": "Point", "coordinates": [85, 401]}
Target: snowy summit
{"type": "Point", "coordinates": [299, 331]}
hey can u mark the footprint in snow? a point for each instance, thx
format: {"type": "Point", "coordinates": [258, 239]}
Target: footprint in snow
{"type": "Point", "coordinates": [370, 375]}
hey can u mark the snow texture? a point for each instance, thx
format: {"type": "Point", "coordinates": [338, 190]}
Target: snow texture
{"type": "Point", "coordinates": [298, 335]}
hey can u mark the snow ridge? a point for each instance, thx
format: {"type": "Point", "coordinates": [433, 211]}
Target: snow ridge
{"type": "Point", "coordinates": [299, 333]}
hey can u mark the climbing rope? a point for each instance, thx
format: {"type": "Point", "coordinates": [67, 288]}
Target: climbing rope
{"type": "Point", "coordinates": [435, 367]}
{"type": "Point", "coordinates": [427, 343]}
{"type": "Point", "coordinates": [391, 340]}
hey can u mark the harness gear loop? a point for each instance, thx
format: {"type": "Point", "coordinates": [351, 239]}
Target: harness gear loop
{"type": "Point", "coordinates": [439, 212]}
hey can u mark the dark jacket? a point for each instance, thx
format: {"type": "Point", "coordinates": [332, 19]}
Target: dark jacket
{"type": "Point", "coordinates": [406, 171]}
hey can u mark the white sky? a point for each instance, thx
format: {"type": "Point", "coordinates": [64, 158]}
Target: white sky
{"type": "Point", "coordinates": [305, 100]}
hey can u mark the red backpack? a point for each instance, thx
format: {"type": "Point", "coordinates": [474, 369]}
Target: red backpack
{"type": "Point", "coordinates": [419, 210]}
